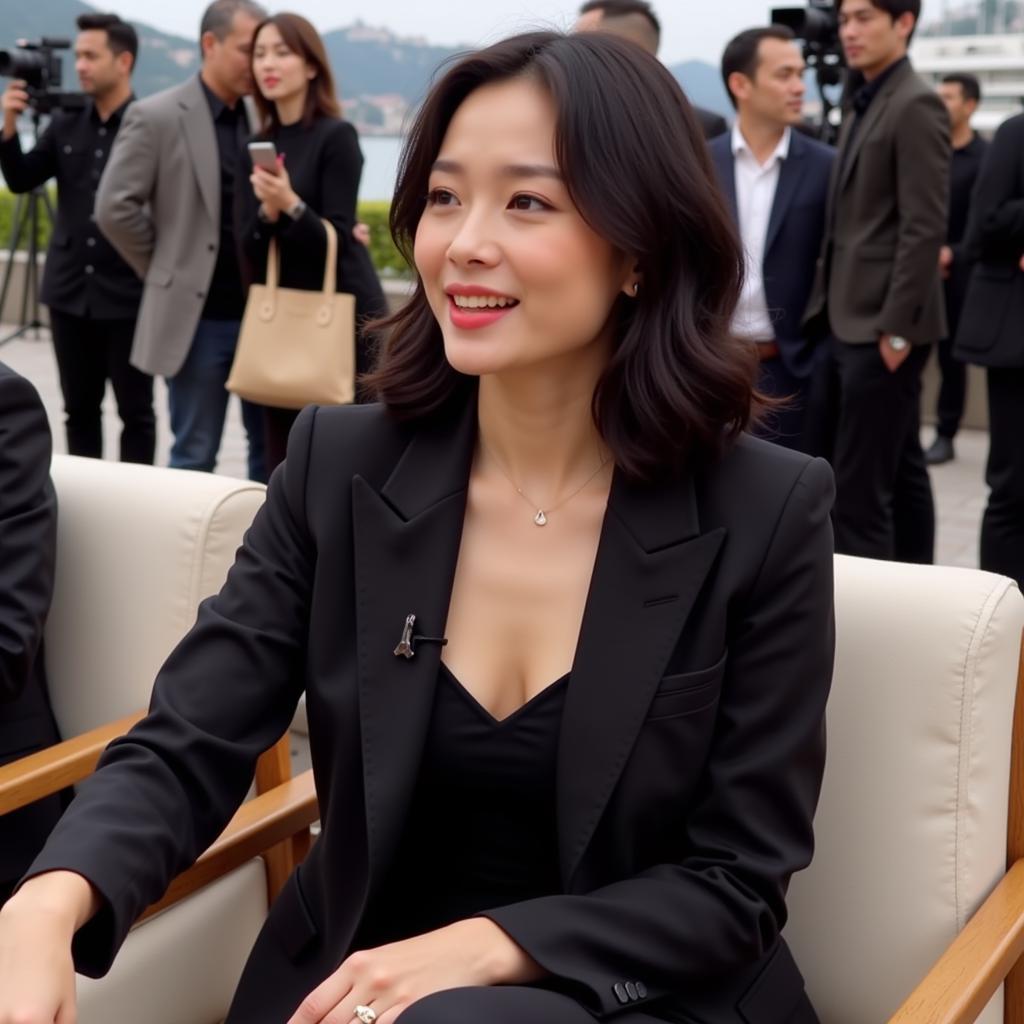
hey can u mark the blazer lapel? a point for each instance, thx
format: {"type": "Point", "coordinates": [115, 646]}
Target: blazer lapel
{"type": "Point", "coordinates": [790, 175]}
{"type": "Point", "coordinates": [651, 564]}
{"type": "Point", "coordinates": [198, 131]}
{"type": "Point", "coordinates": [406, 547]}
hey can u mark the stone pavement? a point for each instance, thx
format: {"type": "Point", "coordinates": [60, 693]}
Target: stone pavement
{"type": "Point", "coordinates": [959, 486]}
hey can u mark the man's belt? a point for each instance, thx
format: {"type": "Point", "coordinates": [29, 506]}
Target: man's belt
{"type": "Point", "coordinates": [767, 350]}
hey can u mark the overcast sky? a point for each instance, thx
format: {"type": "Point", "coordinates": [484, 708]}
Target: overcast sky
{"type": "Point", "coordinates": [691, 28]}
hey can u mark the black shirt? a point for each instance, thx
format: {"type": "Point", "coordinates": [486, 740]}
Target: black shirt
{"type": "Point", "coordinates": [225, 298]}
{"type": "Point", "coordinates": [481, 831]}
{"type": "Point", "coordinates": [84, 274]}
{"type": "Point", "coordinates": [962, 176]}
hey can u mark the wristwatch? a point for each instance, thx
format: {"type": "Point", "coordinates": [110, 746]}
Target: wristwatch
{"type": "Point", "coordinates": [898, 344]}
{"type": "Point", "coordinates": [296, 211]}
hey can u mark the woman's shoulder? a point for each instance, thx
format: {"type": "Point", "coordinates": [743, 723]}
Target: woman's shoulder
{"type": "Point", "coordinates": [755, 478]}
{"type": "Point", "coordinates": [343, 441]}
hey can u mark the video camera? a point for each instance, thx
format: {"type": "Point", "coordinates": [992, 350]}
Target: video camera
{"type": "Point", "coordinates": [39, 65]}
{"type": "Point", "coordinates": [817, 25]}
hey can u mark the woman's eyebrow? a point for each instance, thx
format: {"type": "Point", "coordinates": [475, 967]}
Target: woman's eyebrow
{"type": "Point", "coordinates": [508, 171]}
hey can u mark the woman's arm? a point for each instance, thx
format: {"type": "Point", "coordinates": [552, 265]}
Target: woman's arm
{"type": "Point", "coordinates": [253, 235]}
{"type": "Point", "coordinates": [339, 172]}
{"type": "Point", "coordinates": [722, 905]}
{"type": "Point", "coordinates": [163, 792]}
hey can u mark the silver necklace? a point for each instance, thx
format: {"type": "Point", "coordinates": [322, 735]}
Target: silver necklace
{"type": "Point", "coordinates": [540, 517]}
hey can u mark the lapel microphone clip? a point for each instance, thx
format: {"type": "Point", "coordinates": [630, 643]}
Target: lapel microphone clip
{"type": "Point", "coordinates": [407, 644]}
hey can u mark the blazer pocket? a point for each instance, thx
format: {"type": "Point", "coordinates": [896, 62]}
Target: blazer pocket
{"type": "Point", "coordinates": [687, 692]}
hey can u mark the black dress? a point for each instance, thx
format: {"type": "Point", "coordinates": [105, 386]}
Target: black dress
{"type": "Point", "coordinates": [325, 164]}
{"type": "Point", "coordinates": [481, 831]}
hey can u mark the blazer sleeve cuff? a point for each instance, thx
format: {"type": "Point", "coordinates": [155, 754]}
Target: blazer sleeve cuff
{"type": "Point", "coordinates": [603, 991]}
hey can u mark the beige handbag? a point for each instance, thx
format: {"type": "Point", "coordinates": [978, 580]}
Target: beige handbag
{"type": "Point", "coordinates": [296, 346]}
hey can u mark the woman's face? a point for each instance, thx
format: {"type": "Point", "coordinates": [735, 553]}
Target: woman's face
{"type": "Point", "coordinates": [280, 73]}
{"type": "Point", "coordinates": [512, 272]}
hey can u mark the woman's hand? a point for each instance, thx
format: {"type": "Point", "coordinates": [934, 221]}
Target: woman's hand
{"type": "Point", "coordinates": [388, 979]}
{"type": "Point", "coordinates": [273, 189]}
{"type": "Point", "coordinates": [37, 975]}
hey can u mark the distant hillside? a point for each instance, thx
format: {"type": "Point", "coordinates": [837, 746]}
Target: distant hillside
{"type": "Point", "coordinates": [703, 86]}
{"type": "Point", "coordinates": [368, 62]}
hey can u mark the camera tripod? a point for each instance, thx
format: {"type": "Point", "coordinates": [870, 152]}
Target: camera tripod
{"type": "Point", "coordinates": [26, 222]}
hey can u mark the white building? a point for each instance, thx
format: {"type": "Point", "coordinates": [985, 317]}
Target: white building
{"type": "Point", "coordinates": [996, 61]}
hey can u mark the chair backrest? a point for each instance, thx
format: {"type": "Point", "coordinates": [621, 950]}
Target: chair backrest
{"type": "Point", "coordinates": [912, 826]}
{"type": "Point", "coordinates": [137, 549]}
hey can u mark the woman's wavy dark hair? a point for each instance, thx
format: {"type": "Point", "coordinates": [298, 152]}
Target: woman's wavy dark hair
{"type": "Point", "coordinates": [678, 386]}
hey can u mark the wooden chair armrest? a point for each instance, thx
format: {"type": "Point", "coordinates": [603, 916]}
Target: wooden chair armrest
{"type": "Point", "coordinates": [49, 771]}
{"type": "Point", "coordinates": [260, 823]}
{"type": "Point", "coordinates": [965, 977]}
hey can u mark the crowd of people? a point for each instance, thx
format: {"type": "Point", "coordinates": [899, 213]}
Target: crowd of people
{"type": "Point", "coordinates": [646, 385]}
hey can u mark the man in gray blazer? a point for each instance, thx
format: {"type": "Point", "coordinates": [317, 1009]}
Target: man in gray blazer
{"type": "Point", "coordinates": [165, 202]}
{"type": "Point", "coordinates": [878, 288]}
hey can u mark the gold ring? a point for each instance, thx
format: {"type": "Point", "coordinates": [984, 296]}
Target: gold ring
{"type": "Point", "coordinates": [366, 1014]}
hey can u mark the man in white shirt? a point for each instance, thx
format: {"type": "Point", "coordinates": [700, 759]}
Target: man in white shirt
{"type": "Point", "coordinates": [775, 180]}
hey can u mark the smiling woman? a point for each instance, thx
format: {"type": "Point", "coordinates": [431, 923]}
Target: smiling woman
{"type": "Point", "coordinates": [565, 632]}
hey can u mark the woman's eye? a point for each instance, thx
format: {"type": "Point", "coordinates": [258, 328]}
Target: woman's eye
{"type": "Point", "coordinates": [529, 204]}
{"type": "Point", "coordinates": [440, 197]}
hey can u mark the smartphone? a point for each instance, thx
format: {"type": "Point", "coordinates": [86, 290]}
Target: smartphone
{"type": "Point", "coordinates": [264, 154]}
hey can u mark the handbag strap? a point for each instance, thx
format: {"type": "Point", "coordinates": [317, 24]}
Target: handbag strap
{"type": "Point", "coordinates": [330, 265]}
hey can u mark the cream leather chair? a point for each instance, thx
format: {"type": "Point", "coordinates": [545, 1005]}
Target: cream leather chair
{"type": "Point", "coordinates": [137, 549]}
{"type": "Point", "coordinates": [912, 830]}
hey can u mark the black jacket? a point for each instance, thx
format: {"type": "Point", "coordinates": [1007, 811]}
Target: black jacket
{"type": "Point", "coordinates": [691, 747]}
{"type": "Point", "coordinates": [795, 232]}
{"type": "Point", "coordinates": [991, 331]}
{"type": "Point", "coordinates": [84, 274]}
{"type": "Point", "coordinates": [28, 542]}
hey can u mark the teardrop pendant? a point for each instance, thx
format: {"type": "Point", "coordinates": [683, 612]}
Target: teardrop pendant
{"type": "Point", "coordinates": [540, 519]}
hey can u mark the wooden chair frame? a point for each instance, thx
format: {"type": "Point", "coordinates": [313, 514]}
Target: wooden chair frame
{"type": "Point", "coordinates": [274, 824]}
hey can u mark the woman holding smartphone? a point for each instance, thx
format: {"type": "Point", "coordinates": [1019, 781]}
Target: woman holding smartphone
{"type": "Point", "coordinates": [314, 176]}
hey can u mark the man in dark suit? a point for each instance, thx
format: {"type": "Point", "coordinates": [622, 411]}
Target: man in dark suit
{"type": "Point", "coordinates": [636, 21]}
{"type": "Point", "coordinates": [991, 335]}
{"type": "Point", "coordinates": [28, 539]}
{"type": "Point", "coordinates": [961, 94]}
{"type": "Point", "coordinates": [776, 181]}
{"type": "Point", "coordinates": [92, 294]}
{"type": "Point", "coordinates": [878, 288]}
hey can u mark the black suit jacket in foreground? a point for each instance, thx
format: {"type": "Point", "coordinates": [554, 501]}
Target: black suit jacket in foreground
{"type": "Point", "coordinates": [991, 331]}
{"type": "Point", "coordinates": [795, 231]}
{"type": "Point", "coordinates": [28, 542]}
{"type": "Point", "coordinates": [690, 753]}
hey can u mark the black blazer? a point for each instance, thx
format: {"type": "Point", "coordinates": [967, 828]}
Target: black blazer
{"type": "Point", "coordinates": [74, 149]}
{"type": "Point", "coordinates": [28, 544]}
{"type": "Point", "coordinates": [691, 746]}
{"type": "Point", "coordinates": [795, 231]}
{"type": "Point", "coordinates": [991, 331]}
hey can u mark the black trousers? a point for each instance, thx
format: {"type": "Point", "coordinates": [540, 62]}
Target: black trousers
{"type": "Point", "coordinates": [1002, 527]}
{"type": "Point", "coordinates": [952, 390]}
{"type": "Point", "coordinates": [89, 353]}
{"type": "Point", "coordinates": [513, 1004]}
{"type": "Point", "coordinates": [884, 506]}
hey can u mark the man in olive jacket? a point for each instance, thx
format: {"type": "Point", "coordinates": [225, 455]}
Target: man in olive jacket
{"type": "Point", "coordinates": [878, 287]}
